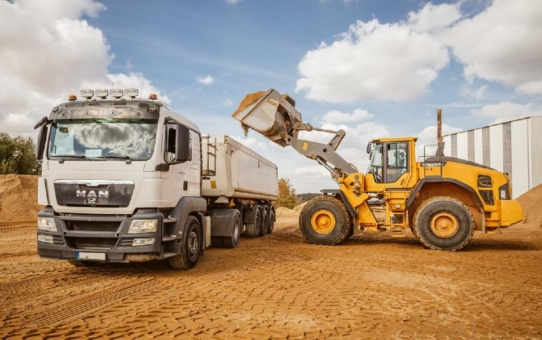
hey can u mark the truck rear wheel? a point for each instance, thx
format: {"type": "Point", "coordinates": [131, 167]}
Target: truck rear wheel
{"type": "Point", "coordinates": [265, 221]}
{"type": "Point", "coordinates": [233, 240]}
{"type": "Point", "coordinates": [325, 220]}
{"type": "Point", "coordinates": [271, 223]}
{"type": "Point", "coordinates": [443, 223]}
{"type": "Point", "coordinates": [253, 228]}
{"type": "Point", "coordinates": [190, 246]}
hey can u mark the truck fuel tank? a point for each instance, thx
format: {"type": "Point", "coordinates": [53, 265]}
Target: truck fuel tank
{"type": "Point", "coordinates": [271, 114]}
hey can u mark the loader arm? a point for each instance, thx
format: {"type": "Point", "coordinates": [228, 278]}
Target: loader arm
{"type": "Point", "coordinates": [275, 117]}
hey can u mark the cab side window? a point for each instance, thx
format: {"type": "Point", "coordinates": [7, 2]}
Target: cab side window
{"type": "Point", "coordinates": [171, 136]}
{"type": "Point", "coordinates": [397, 161]}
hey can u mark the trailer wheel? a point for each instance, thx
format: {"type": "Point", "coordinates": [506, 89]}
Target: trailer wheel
{"type": "Point", "coordinates": [265, 221]}
{"type": "Point", "coordinates": [233, 240]}
{"type": "Point", "coordinates": [325, 220]}
{"type": "Point", "coordinates": [190, 247]}
{"type": "Point", "coordinates": [271, 223]}
{"type": "Point", "coordinates": [253, 229]}
{"type": "Point", "coordinates": [443, 223]}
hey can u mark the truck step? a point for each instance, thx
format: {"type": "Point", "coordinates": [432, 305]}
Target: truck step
{"type": "Point", "coordinates": [166, 255]}
{"type": "Point", "coordinates": [170, 220]}
{"type": "Point", "coordinates": [169, 238]}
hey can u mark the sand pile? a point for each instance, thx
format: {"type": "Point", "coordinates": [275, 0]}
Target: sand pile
{"type": "Point", "coordinates": [282, 211]}
{"type": "Point", "coordinates": [19, 198]}
{"type": "Point", "coordinates": [300, 207]}
{"type": "Point", "coordinates": [531, 202]}
{"type": "Point", "coordinates": [248, 100]}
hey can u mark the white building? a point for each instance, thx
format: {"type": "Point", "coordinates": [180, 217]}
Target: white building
{"type": "Point", "coordinates": [513, 147]}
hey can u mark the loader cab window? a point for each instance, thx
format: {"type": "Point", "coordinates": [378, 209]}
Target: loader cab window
{"type": "Point", "coordinates": [171, 135]}
{"type": "Point", "coordinates": [395, 164]}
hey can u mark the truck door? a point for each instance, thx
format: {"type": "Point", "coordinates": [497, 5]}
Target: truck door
{"type": "Point", "coordinates": [182, 178]}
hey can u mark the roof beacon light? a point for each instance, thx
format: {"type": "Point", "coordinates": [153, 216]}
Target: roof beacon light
{"type": "Point", "coordinates": [153, 96]}
{"type": "Point", "coordinates": [87, 93]}
{"type": "Point", "coordinates": [117, 93]}
{"type": "Point", "coordinates": [102, 93]}
{"type": "Point", "coordinates": [133, 93]}
{"type": "Point", "coordinates": [72, 98]}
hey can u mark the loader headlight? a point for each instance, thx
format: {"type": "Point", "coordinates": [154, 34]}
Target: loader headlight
{"type": "Point", "coordinates": [47, 224]}
{"type": "Point", "coordinates": [142, 226]}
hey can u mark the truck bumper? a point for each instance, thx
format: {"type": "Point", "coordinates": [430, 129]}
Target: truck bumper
{"type": "Point", "coordinates": [101, 238]}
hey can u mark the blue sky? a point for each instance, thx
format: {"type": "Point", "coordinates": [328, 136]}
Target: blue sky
{"type": "Point", "coordinates": [373, 68]}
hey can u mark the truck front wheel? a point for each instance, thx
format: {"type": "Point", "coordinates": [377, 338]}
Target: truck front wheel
{"type": "Point", "coordinates": [443, 223]}
{"type": "Point", "coordinates": [325, 220]}
{"type": "Point", "coordinates": [190, 246]}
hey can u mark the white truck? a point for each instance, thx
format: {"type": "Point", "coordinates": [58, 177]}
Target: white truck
{"type": "Point", "coordinates": [129, 180]}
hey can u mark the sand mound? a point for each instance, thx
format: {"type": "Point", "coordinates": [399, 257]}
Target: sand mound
{"type": "Point", "coordinates": [19, 198]}
{"type": "Point", "coordinates": [531, 202]}
{"type": "Point", "coordinates": [282, 211]}
{"type": "Point", "coordinates": [300, 207]}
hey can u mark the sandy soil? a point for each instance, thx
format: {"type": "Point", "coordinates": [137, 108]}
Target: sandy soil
{"type": "Point", "coordinates": [373, 286]}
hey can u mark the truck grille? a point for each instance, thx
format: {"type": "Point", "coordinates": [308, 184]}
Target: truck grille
{"type": "Point", "coordinates": [91, 242]}
{"type": "Point", "coordinates": [92, 226]}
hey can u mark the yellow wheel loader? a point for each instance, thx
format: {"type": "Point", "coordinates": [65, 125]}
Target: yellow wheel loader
{"type": "Point", "coordinates": [443, 200]}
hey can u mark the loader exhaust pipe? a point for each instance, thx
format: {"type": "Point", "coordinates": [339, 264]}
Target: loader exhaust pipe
{"type": "Point", "coordinates": [271, 114]}
{"type": "Point", "coordinates": [440, 143]}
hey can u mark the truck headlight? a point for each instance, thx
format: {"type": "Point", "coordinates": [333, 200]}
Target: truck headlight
{"type": "Point", "coordinates": [45, 238]}
{"type": "Point", "coordinates": [47, 224]}
{"type": "Point", "coordinates": [137, 242]}
{"type": "Point", "coordinates": [142, 226]}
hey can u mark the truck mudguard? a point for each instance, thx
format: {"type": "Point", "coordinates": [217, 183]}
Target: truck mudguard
{"type": "Point", "coordinates": [184, 207]}
{"type": "Point", "coordinates": [222, 221]}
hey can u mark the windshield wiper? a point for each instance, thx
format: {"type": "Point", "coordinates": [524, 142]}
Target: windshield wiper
{"type": "Point", "coordinates": [127, 158]}
{"type": "Point", "coordinates": [61, 158]}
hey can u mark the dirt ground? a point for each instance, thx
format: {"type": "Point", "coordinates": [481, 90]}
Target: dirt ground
{"type": "Point", "coordinates": [373, 286]}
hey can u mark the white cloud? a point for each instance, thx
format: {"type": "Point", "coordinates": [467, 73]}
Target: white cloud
{"type": "Point", "coordinates": [507, 111]}
{"type": "Point", "coordinates": [502, 44]}
{"type": "Point", "coordinates": [433, 18]}
{"type": "Point", "coordinates": [373, 61]}
{"type": "Point", "coordinates": [227, 102]}
{"type": "Point", "coordinates": [473, 93]}
{"type": "Point", "coordinates": [232, 1]}
{"type": "Point", "coordinates": [205, 80]}
{"type": "Point", "coordinates": [337, 117]}
{"type": "Point", "coordinates": [129, 65]}
{"type": "Point", "coordinates": [48, 53]}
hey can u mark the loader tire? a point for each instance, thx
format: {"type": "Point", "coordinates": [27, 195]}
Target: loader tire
{"type": "Point", "coordinates": [443, 223]}
{"type": "Point", "coordinates": [253, 229]}
{"type": "Point", "coordinates": [190, 247]}
{"type": "Point", "coordinates": [265, 221]}
{"type": "Point", "coordinates": [325, 220]}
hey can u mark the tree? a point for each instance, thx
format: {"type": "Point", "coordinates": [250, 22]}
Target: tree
{"type": "Point", "coordinates": [17, 155]}
{"type": "Point", "coordinates": [287, 197]}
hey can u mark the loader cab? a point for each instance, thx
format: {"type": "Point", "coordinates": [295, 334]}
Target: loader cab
{"type": "Point", "coordinates": [392, 163]}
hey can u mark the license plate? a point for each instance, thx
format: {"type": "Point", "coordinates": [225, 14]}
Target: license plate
{"type": "Point", "coordinates": [90, 256]}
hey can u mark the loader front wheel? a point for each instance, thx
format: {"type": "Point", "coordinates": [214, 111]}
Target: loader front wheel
{"type": "Point", "coordinates": [443, 223]}
{"type": "Point", "coordinates": [325, 220]}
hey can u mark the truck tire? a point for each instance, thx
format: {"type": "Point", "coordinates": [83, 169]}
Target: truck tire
{"type": "Point", "coordinates": [271, 224]}
{"type": "Point", "coordinates": [233, 240]}
{"type": "Point", "coordinates": [190, 247]}
{"type": "Point", "coordinates": [253, 228]}
{"type": "Point", "coordinates": [443, 223]}
{"type": "Point", "coordinates": [325, 220]}
{"type": "Point", "coordinates": [216, 241]}
{"type": "Point", "coordinates": [265, 221]}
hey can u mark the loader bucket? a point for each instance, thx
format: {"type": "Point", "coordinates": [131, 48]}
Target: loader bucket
{"type": "Point", "coordinates": [271, 114]}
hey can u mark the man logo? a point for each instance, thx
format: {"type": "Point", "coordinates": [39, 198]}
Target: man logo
{"type": "Point", "coordinates": [92, 194]}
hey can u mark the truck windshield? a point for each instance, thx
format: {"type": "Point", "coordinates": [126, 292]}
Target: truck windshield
{"type": "Point", "coordinates": [99, 138]}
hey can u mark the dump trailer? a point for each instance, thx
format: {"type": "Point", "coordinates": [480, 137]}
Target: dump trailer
{"type": "Point", "coordinates": [129, 180]}
{"type": "Point", "coordinates": [441, 199]}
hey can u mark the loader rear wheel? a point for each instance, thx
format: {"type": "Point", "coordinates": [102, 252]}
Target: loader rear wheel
{"type": "Point", "coordinates": [443, 223]}
{"type": "Point", "coordinates": [325, 220]}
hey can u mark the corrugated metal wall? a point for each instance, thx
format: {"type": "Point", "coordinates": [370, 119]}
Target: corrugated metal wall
{"type": "Point", "coordinates": [513, 147]}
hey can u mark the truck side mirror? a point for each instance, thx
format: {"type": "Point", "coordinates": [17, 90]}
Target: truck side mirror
{"type": "Point", "coordinates": [182, 144]}
{"type": "Point", "coordinates": [40, 145]}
